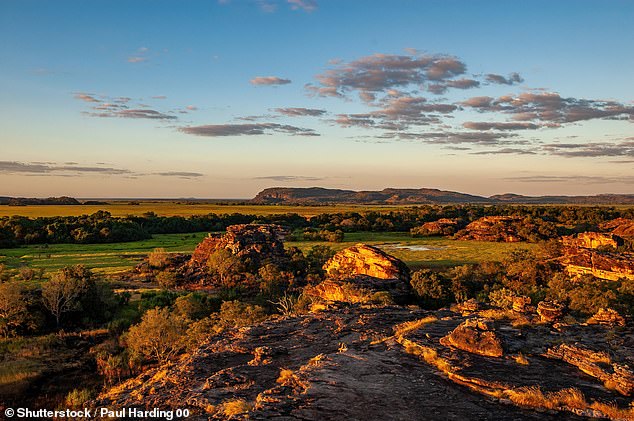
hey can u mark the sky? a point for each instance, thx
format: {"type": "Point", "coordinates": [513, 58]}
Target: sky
{"type": "Point", "coordinates": [222, 98]}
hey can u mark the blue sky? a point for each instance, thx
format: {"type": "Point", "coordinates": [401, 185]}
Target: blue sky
{"type": "Point", "coordinates": [192, 98]}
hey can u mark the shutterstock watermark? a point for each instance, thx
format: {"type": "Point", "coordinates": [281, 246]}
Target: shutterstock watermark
{"type": "Point", "coordinates": [98, 413]}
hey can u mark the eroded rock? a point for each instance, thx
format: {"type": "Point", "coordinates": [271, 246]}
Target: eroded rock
{"type": "Point", "coordinates": [550, 311]}
{"type": "Point", "coordinates": [362, 259]}
{"type": "Point", "coordinates": [522, 304]}
{"type": "Point", "coordinates": [477, 336]}
{"type": "Point", "coordinates": [492, 228]}
{"type": "Point", "coordinates": [253, 242]}
{"type": "Point", "coordinates": [608, 317]}
{"type": "Point", "coordinates": [596, 364]}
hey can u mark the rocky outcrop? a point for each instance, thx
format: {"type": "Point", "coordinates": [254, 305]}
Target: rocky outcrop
{"type": "Point", "coordinates": [622, 227]}
{"type": "Point", "coordinates": [444, 226]}
{"type": "Point", "coordinates": [476, 336]}
{"type": "Point", "coordinates": [358, 362]}
{"type": "Point", "coordinates": [597, 364]}
{"type": "Point", "coordinates": [252, 242]}
{"type": "Point", "coordinates": [592, 240]}
{"type": "Point", "coordinates": [607, 317]}
{"type": "Point", "coordinates": [603, 265]}
{"type": "Point", "coordinates": [522, 304]}
{"type": "Point", "coordinates": [359, 272]}
{"type": "Point", "coordinates": [492, 228]}
{"type": "Point", "coordinates": [468, 307]}
{"type": "Point", "coordinates": [550, 311]}
{"type": "Point", "coordinates": [363, 259]}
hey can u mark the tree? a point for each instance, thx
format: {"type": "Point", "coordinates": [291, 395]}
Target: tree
{"type": "Point", "coordinates": [433, 289]}
{"type": "Point", "coordinates": [159, 336]}
{"type": "Point", "coordinates": [63, 292]}
{"type": "Point", "coordinates": [13, 308]}
{"type": "Point", "coordinates": [225, 265]}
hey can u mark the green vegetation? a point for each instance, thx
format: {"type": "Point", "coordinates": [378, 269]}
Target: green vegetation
{"type": "Point", "coordinates": [119, 307]}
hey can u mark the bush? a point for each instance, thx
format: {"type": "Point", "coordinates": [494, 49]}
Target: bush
{"type": "Point", "coordinates": [158, 258]}
{"type": "Point", "coordinates": [433, 289]}
{"type": "Point", "coordinates": [195, 306]}
{"type": "Point", "coordinates": [159, 336]}
{"type": "Point", "coordinates": [26, 273]}
{"type": "Point", "coordinates": [167, 279]}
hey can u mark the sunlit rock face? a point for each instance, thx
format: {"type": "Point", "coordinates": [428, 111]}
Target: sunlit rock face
{"type": "Point", "coordinates": [358, 273]}
{"type": "Point", "coordinates": [362, 259]}
{"type": "Point", "coordinates": [255, 242]}
{"type": "Point", "coordinates": [492, 228]}
{"type": "Point", "coordinates": [593, 253]}
{"type": "Point", "coordinates": [622, 227]}
{"type": "Point", "coordinates": [476, 336]}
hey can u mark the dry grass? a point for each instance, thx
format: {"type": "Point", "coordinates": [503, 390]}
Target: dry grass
{"type": "Point", "coordinates": [521, 359]}
{"type": "Point", "coordinates": [285, 377]}
{"type": "Point", "coordinates": [403, 329]}
{"type": "Point", "coordinates": [428, 354]}
{"type": "Point", "coordinates": [613, 411]}
{"type": "Point", "coordinates": [236, 407]}
{"type": "Point", "coordinates": [534, 397]}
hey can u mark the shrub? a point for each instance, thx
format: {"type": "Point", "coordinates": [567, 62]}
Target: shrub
{"type": "Point", "coordinates": [432, 289]}
{"type": "Point", "coordinates": [77, 397]}
{"type": "Point", "coordinates": [159, 336]}
{"type": "Point", "coordinates": [195, 306]}
{"type": "Point", "coordinates": [158, 258]}
{"type": "Point", "coordinates": [26, 273]}
{"type": "Point", "coordinates": [166, 279]}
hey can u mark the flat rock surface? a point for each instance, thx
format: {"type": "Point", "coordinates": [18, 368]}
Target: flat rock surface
{"type": "Point", "coordinates": [346, 363]}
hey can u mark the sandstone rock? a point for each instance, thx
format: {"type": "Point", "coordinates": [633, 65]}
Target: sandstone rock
{"type": "Point", "coordinates": [492, 228]}
{"type": "Point", "coordinates": [469, 306]}
{"type": "Point", "coordinates": [622, 227]}
{"type": "Point", "coordinates": [550, 311]}
{"type": "Point", "coordinates": [522, 304]}
{"type": "Point", "coordinates": [361, 289]}
{"type": "Point", "coordinates": [254, 242]}
{"type": "Point", "coordinates": [592, 240]}
{"type": "Point", "coordinates": [363, 259]}
{"type": "Point", "coordinates": [603, 265]}
{"type": "Point", "coordinates": [476, 336]}
{"type": "Point", "coordinates": [596, 364]}
{"type": "Point", "coordinates": [361, 271]}
{"type": "Point", "coordinates": [607, 316]}
{"type": "Point", "coordinates": [443, 226]}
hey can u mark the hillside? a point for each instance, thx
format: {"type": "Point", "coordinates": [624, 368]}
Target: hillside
{"type": "Point", "coordinates": [391, 196]}
{"type": "Point", "coordinates": [394, 196]}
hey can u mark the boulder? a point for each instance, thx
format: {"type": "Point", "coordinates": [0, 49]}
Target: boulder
{"type": "Point", "coordinates": [362, 259]}
{"type": "Point", "coordinates": [602, 265]}
{"type": "Point", "coordinates": [550, 311]}
{"type": "Point", "coordinates": [358, 273]}
{"type": "Point", "coordinates": [476, 336]}
{"type": "Point", "coordinates": [522, 304]}
{"type": "Point", "coordinates": [608, 317]}
{"type": "Point", "coordinates": [469, 306]}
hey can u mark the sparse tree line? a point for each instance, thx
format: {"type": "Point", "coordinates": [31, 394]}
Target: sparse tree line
{"type": "Point", "coordinates": [102, 227]}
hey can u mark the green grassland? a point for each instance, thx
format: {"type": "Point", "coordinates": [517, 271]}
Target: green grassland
{"type": "Point", "coordinates": [439, 252]}
{"type": "Point", "coordinates": [182, 209]}
{"type": "Point", "coordinates": [119, 257]}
